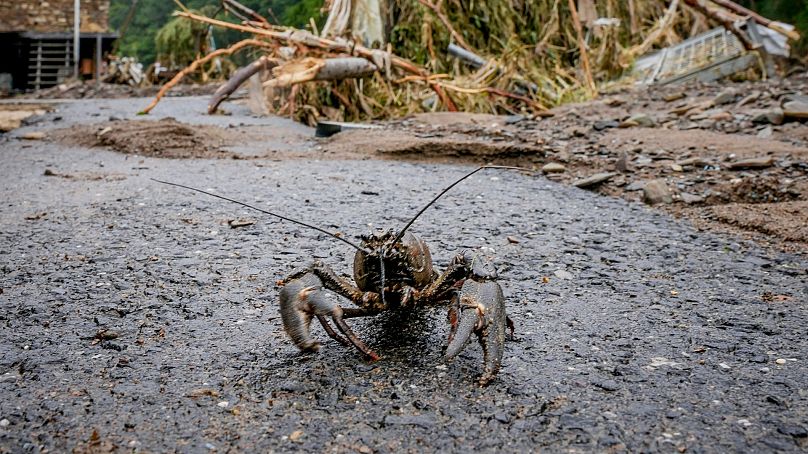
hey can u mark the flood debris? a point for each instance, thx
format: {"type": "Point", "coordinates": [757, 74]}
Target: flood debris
{"type": "Point", "coordinates": [353, 70]}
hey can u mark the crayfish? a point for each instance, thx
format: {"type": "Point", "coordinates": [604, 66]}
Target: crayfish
{"type": "Point", "coordinates": [393, 271]}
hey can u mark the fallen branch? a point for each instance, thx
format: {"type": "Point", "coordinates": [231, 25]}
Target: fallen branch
{"type": "Point", "coordinates": [658, 32]}
{"type": "Point", "coordinates": [301, 37]}
{"type": "Point", "coordinates": [201, 61]}
{"type": "Point", "coordinates": [740, 10]}
{"type": "Point", "coordinates": [237, 80]}
{"type": "Point", "coordinates": [311, 69]}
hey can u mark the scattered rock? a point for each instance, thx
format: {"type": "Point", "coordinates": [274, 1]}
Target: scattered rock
{"type": "Point", "coordinates": [656, 191]}
{"type": "Point", "coordinates": [635, 186]}
{"type": "Point", "coordinates": [677, 168]}
{"type": "Point", "coordinates": [780, 361]}
{"type": "Point", "coordinates": [554, 167]}
{"type": "Point", "coordinates": [296, 436]}
{"type": "Point", "coordinates": [513, 240]}
{"type": "Point", "coordinates": [605, 124]}
{"type": "Point", "coordinates": [695, 162]}
{"type": "Point", "coordinates": [563, 274]}
{"type": "Point", "coordinates": [765, 133]}
{"type": "Point", "coordinates": [640, 119]}
{"type": "Point", "coordinates": [749, 99]}
{"type": "Point", "coordinates": [774, 116]}
{"type": "Point", "coordinates": [753, 163]}
{"type": "Point", "coordinates": [595, 180]}
{"type": "Point", "coordinates": [622, 163]}
{"type": "Point", "coordinates": [674, 96]}
{"type": "Point", "coordinates": [691, 198]}
{"type": "Point", "coordinates": [240, 222]}
{"type": "Point", "coordinates": [34, 135]}
{"type": "Point", "coordinates": [796, 109]}
{"type": "Point", "coordinates": [725, 97]}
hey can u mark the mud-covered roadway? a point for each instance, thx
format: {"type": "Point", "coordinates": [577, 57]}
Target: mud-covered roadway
{"type": "Point", "coordinates": [134, 318]}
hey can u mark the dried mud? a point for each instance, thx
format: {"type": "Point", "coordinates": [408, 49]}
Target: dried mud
{"type": "Point", "coordinates": [164, 138]}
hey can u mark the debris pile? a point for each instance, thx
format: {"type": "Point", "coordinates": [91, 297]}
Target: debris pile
{"type": "Point", "coordinates": [426, 55]}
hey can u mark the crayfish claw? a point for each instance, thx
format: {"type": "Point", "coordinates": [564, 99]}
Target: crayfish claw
{"type": "Point", "coordinates": [482, 312]}
{"type": "Point", "coordinates": [303, 298]}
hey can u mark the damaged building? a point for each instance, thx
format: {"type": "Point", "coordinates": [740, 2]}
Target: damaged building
{"type": "Point", "coordinates": [37, 42]}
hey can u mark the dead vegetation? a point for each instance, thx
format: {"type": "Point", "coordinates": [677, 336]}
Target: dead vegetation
{"type": "Point", "coordinates": [401, 57]}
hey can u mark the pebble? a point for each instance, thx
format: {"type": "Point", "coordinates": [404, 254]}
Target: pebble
{"type": "Point", "coordinates": [725, 97]}
{"type": "Point", "coordinates": [595, 180]}
{"type": "Point", "coordinates": [35, 135]}
{"type": "Point", "coordinates": [4, 422]}
{"type": "Point", "coordinates": [554, 167]}
{"type": "Point", "coordinates": [223, 404]}
{"type": "Point", "coordinates": [656, 192]}
{"type": "Point", "coordinates": [563, 274]}
{"type": "Point", "coordinates": [780, 361]}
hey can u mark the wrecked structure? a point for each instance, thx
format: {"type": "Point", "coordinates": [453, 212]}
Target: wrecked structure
{"type": "Point", "coordinates": [37, 41]}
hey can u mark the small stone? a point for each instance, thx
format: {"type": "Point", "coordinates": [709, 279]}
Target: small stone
{"type": "Point", "coordinates": [725, 97]}
{"type": "Point", "coordinates": [753, 163]}
{"type": "Point", "coordinates": [677, 168]}
{"type": "Point", "coordinates": [640, 119]}
{"type": "Point", "coordinates": [223, 404]}
{"type": "Point", "coordinates": [690, 198]}
{"type": "Point", "coordinates": [765, 133]}
{"type": "Point", "coordinates": [563, 274]}
{"type": "Point", "coordinates": [622, 162]}
{"type": "Point", "coordinates": [553, 167]}
{"type": "Point", "coordinates": [774, 116]}
{"type": "Point", "coordinates": [513, 240]}
{"type": "Point", "coordinates": [605, 124]}
{"type": "Point", "coordinates": [780, 361]}
{"type": "Point", "coordinates": [296, 436]}
{"type": "Point", "coordinates": [749, 99]}
{"type": "Point", "coordinates": [4, 422]}
{"type": "Point", "coordinates": [35, 135]}
{"type": "Point", "coordinates": [796, 109]}
{"type": "Point", "coordinates": [695, 162]}
{"type": "Point", "coordinates": [656, 191]}
{"type": "Point", "coordinates": [724, 366]}
{"type": "Point", "coordinates": [674, 96]}
{"type": "Point", "coordinates": [635, 186]}
{"type": "Point", "coordinates": [594, 180]}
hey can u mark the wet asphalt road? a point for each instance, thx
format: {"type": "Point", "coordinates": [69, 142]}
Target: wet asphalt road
{"type": "Point", "coordinates": [133, 317]}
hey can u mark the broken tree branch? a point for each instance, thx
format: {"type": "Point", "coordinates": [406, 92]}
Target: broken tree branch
{"type": "Point", "coordinates": [301, 37]}
{"type": "Point", "coordinates": [310, 69]}
{"type": "Point", "coordinates": [237, 80]}
{"type": "Point", "coordinates": [201, 61]}
{"type": "Point", "coordinates": [660, 29]}
{"type": "Point", "coordinates": [740, 10]}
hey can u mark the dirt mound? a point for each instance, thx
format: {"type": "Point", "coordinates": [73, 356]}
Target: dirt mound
{"type": "Point", "coordinates": [166, 138]}
{"type": "Point", "coordinates": [435, 146]}
{"type": "Point", "coordinates": [791, 218]}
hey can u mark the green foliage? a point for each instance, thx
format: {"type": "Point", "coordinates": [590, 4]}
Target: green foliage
{"type": "Point", "coordinates": [180, 41]}
{"type": "Point", "coordinates": [151, 15]}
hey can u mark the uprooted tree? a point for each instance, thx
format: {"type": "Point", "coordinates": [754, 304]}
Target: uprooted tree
{"type": "Point", "coordinates": [381, 58]}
